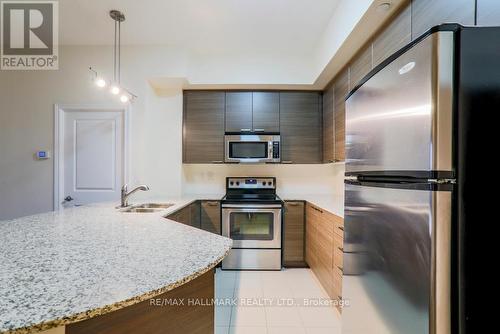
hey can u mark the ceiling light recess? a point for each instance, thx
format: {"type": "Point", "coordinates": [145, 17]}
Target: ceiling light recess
{"type": "Point", "coordinates": [115, 85]}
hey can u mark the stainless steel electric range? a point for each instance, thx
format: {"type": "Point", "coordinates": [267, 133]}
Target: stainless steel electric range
{"type": "Point", "coordinates": [251, 216]}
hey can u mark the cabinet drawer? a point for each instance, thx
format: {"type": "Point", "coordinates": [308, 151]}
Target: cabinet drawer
{"type": "Point", "coordinates": [313, 211]}
{"type": "Point", "coordinates": [339, 226]}
{"type": "Point", "coordinates": [338, 251]}
{"type": "Point", "coordinates": [337, 289]}
{"type": "Point", "coordinates": [337, 285]}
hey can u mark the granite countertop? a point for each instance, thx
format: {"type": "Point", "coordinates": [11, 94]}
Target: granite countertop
{"type": "Point", "coordinates": [62, 267]}
{"type": "Point", "coordinates": [332, 203]}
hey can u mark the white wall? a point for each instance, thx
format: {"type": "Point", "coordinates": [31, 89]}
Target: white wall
{"type": "Point", "coordinates": [344, 19]}
{"type": "Point", "coordinates": [26, 122]}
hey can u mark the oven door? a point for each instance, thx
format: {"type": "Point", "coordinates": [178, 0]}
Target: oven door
{"type": "Point", "coordinates": [252, 226]}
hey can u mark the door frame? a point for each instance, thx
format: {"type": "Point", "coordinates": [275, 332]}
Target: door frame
{"type": "Point", "coordinates": [59, 112]}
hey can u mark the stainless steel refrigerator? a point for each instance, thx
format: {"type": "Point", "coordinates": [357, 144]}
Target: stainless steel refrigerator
{"type": "Point", "coordinates": [411, 127]}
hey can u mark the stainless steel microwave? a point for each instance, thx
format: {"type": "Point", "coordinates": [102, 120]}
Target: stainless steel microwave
{"type": "Point", "coordinates": [252, 148]}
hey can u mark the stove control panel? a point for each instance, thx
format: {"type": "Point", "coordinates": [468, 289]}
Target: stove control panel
{"type": "Point", "coordinates": [251, 183]}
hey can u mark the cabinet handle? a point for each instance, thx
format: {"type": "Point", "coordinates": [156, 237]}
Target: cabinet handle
{"type": "Point", "coordinates": [341, 269]}
{"type": "Point", "coordinates": [315, 208]}
{"type": "Point", "coordinates": [217, 162]}
{"type": "Point", "coordinates": [259, 130]}
{"type": "Point", "coordinates": [341, 249]}
{"type": "Point", "coordinates": [287, 162]}
{"type": "Point", "coordinates": [212, 203]}
{"type": "Point", "coordinates": [293, 203]}
{"type": "Point", "coordinates": [245, 130]}
{"type": "Point", "coordinates": [341, 228]}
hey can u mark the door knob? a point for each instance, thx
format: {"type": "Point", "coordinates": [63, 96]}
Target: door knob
{"type": "Point", "coordinates": [68, 199]}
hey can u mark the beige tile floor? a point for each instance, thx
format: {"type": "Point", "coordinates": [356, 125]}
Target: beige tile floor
{"type": "Point", "coordinates": [272, 302]}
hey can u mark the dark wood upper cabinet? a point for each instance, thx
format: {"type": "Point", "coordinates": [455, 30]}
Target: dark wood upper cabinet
{"type": "Point", "coordinates": [252, 112]}
{"type": "Point", "coordinates": [340, 90]}
{"type": "Point", "coordinates": [203, 128]}
{"type": "Point", "coordinates": [361, 65]}
{"type": "Point", "coordinates": [301, 128]}
{"type": "Point", "coordinates": [211, 216]}
{"type": "Point", "coordinates": [266, 112]}
{"type": "Point", "coordinates": [488, 13]}
{"type": "Point", "coordinates": [328, 126]}
{"type": "Point", "coordinates": [294, 234]}
{"type": "Point", "coordinates": [428, 13]}
{"type": "Point", "coordinates": [238, 111]}
{"type": "Point", "coordinates": [393, 37]}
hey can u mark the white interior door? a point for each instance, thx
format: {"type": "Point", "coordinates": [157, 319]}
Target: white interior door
{"type": "Point", "coordinates": [93, 153]}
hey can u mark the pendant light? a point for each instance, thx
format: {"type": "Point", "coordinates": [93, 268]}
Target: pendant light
{"type": "Point", "coordinates": [115, 87]}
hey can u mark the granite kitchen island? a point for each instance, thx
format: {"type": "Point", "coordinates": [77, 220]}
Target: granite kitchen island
{"type": "Point", "coordinates": [68, 267]}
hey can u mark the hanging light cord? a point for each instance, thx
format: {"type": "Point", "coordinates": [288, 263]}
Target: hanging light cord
{"type": "Point", "coordinates": [126, 95]}
{"type": "Point", "coordinates": [114, 56]}
{"type": "Point", "coordinates": [119, 50]}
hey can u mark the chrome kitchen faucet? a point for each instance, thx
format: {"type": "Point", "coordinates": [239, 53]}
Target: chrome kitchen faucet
{"type": "Point", "coordinates": [125, 195]}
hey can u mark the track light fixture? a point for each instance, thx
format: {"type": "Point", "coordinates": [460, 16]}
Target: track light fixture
{"type": "Point", "coordinates": [115, 86]}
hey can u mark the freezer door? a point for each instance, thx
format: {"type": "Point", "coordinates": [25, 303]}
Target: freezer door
{"type": "Point", "coordinates": [401, 118]}
{"type": "Point", "coordinates": [396, 261]}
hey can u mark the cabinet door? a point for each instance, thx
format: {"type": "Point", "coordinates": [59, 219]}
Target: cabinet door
{"type": "Point", "coordinates": [428, 13]}
{"type": "Point", "coordinates": [328, 126]}
{"type": "Point", "coordinates": [301, 128]}
{"type": "Point", "coordinates": [181, 216]}
{"type": "Point", "coordinates": [210, 216]}
{"type": "Point", "coordinates": [238, 111]}
{"type": "Point", "coordinates": [294, 228]}
{"type": "Point", "coordinates": [396, 35]}
{"type": "Point", "coordinates": [195, 219]}
{"type": "Point", "coordinates": [266, 112]}
{"type": "Point", "coordinates": [319, 246]}
{"type": "Point", "coordinates": [488, 13]}
{"type": "Point", "coordinates": [360, 66]}
{"type": "Point", "coordinates": [203, 130]}
{"type": "Point", "coordinates": [311, 237]}
{"type": "Point", "coordinates": [341, 86]}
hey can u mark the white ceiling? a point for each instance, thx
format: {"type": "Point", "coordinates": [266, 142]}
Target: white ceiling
{"type": "Point", "coordinates": [200, 25]}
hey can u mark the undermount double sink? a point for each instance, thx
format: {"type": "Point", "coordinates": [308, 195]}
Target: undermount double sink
{"type": "Point", "coordinates": [147, 208]}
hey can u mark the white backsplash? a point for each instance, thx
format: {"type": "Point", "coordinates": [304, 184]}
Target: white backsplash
{"type": "Point", "coordinates": [292, 180]}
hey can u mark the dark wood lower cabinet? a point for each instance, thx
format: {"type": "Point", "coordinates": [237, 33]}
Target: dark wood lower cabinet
{"type": "Point", "coordinates": [294, 234]}
{"type": "Point", "coordinates": [152, 318]}
{"type": "Point", "coordinates": [194, 209]}
{"type": "Point", "coordinates": [183, 216]}
{"type": "Point", "coordinates": [210, 216]}
{"type": "Point", "coordinates": [200, 214]}
{"type": "Point", "coordinates": [325, 248]}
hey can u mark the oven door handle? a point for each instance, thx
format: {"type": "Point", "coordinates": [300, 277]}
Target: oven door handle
{"type": "Point", "coordinates": [228, 211]}
{"type": "Point", "coordinates": [252, 206]}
